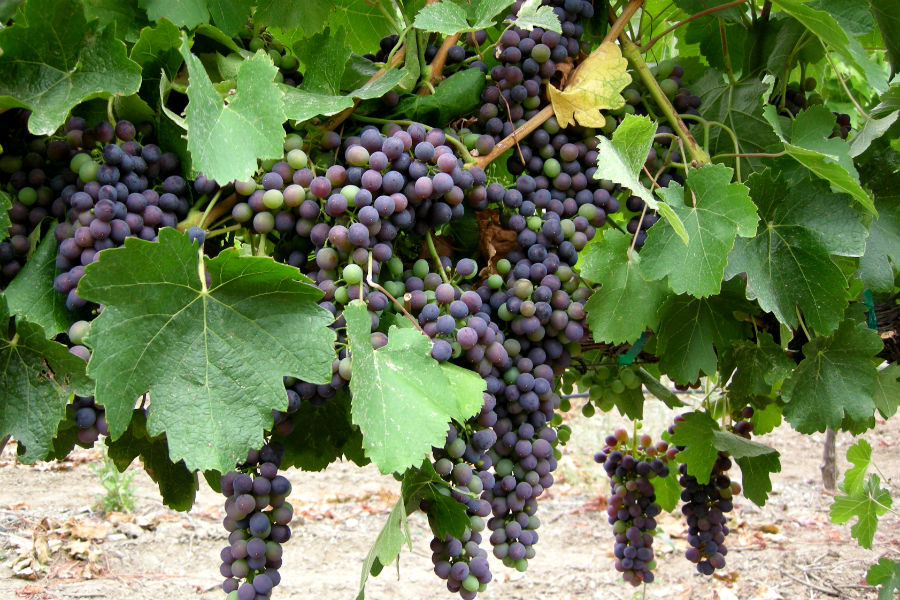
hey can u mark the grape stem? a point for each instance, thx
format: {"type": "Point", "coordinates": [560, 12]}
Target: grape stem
{"type": "Point", "coordinates": [438, 62]}
{"type": "Point", "coordinates": [687, 20]}
{"type": "Point", "coordinates": [434, 255]}
{"type": "Point", "coordinates": [110, 114]}
{"type": "Point", "coordinates": [537, 120]}
{"type": "Point", "coordinates": [223, 231]}
{"type": "Point", "coordinates": [209, 207]}
{"type": "Point", "coordinates": [633, 54]}
{"type": "Point", "coordinates": [374, 284]}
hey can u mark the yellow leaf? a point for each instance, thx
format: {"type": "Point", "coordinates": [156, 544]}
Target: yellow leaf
{"type": "Point", "coordinates": [596, 85]}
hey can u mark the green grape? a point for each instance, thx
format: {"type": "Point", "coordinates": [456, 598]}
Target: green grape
{"type": "Point", "coordinates": [27, 196]}
{"type": "Point", "coordinates": [273, 199]}
{"type": "Point", "coordinates": [88, 171]}
{"type": "Point", "coordinates": [495, 282]}
{"type": "Point", "coordinates": [341, 296]}
{"type": "Point", "coordinates": [353, 274]}
{"type": "Point", "coordinates": [588, 410]}
{"type": "Point", "coordinates": [617, 386]}
{"type": "Point", "coordinates": [420, 268]}
{"type": "Point", "coordinates": [503, 266]}
{"type": "Point", "coordinates": [297, 158]}
{"type": "Point", "coordinates": [552, 167]}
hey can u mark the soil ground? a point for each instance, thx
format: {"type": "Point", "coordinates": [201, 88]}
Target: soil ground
{"type": "Point", "coordinates": [55, 544]}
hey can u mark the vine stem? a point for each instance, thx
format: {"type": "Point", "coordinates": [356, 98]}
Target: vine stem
{"type": "Point", "coordinates": [223, 231]}
{"type": "Point", "coordinates": [438, 62]}
{"type": "Point", "coordinates": [687, 20]}
{"type": "Point", "coordinates": [843, 83]}
{"type": "Point", "coordinates": [434, 255]}
{"type": "Point", "coordinates": [374, 284]}
{"type": "Point", "coordinates": [537, 120]}
{"type": "Point", "coordinates": [633, 54]}
{"type": "Point", "coordinates": [209, 207]}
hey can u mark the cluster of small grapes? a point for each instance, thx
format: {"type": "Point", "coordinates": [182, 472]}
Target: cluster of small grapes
{"type": "Point", "coordinates": [800, 96]}
{"type": "Point", "coordinates": [257, 519]}
{"type": "Point", "coordinates": [90, 417]}
{"type": "Point", "coordinates": [456, 54]}
{"type": "Point", "coordinates": [113, 199]}
{"type": "Point", "coordinates": [281, 56]}
{"type": "Point", "coordinates": [704, 508]}
{"type": "Point", "coordinates": [632, 501]}
{"type": "Point", "coordinates": [605, 385]}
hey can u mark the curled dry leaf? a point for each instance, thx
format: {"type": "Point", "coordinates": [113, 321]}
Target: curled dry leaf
{"type": "Point", "coordinates": [494, 241]}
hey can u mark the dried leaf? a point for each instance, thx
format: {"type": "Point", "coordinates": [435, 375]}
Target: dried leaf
{"type": "Point", "coordinates": [596, 85]}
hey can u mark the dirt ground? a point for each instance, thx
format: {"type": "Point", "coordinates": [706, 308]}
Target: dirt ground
{"type": "Point", "coordinates": [55, 544]}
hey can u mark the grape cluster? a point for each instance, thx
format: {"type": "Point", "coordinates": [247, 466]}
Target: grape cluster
{"type": "Point", "coordinates": [606, 384]}
{"type": "Point", "coordinates": [632, 500]}
{"type": "Point", "coordinates": [113, 199]}
{"type": "Point", "coordinates": [89, 417]}
{"type": "Point", "coordinates": [257, 519]}
{"type": "Point", "coordinates": [799, 96]}
{"type": "Point", "coordinates": [704, 509]}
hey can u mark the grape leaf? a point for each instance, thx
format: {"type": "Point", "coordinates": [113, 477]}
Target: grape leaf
{"type": "Point", "coordinates": [212, 357]}
{"type": "Point", "coordinates": [695, 433]}
{"type": "Point", "coordinates": [458, 94]}
{"type": "Point", "coordinates": [860, 454]}
{"type": "Point", "coordinates": [626, 304]}
{"type": "Point", "coordinates": [714, 211]}
{"type": "Point", "coordinates": [157, 52]}
{"type": "Point", "coordinates": [366, 22]}
{"type": "Point", "coordinates": [387, 545]}
{"type": "Point", "coordinates": [620, 160]}
{"type": "Point", "coordinates": [658, 389]}
{"type": "Point", "coordinates": [766, 418]}
{"type": "Point", "coordinates": [596, 85]}
{"type": "Point", "coordinates": [667, 490]}
{"type": "Point", "coordinates": [225, 140]}
{"type": "Point", "coordinates": [185, 13]}
{"type": "Point", "coordinates": [885, 573]}
{"type": "Point", "coordinates": [533, 14]}
{"type": "Point", "coordinates": [788, 264]}
{"type": "Point", "coordinates": [300, 105]}
{"type": "Point", "coordinates": [887, 390]}
{"type": "Point", "coordinates": [5, 205]}
{"type": "Point", "coordinates": [177, 485]}
{"type": "Point", "coordinates": [854, 16]}
{"type": "Point", "coordinates": [871, 130]}
{"type": "Point", "coordinates": [692, 330]}
{"type": "Point", "coordinates": [31, 295]}
{"type": "Point", "coordinates": [759, 366]}
{"type": "Point", "coordinates": [811, 145]}
{"type": "Point", "coordinates": [37, 377]}
{"type": "Point", "coordinates": [230, 15]}
{"type": "Point", "coordinates": [739, 107]}
{"type": "Point", "coordinates": [444, 17]}
{"type": "Point", "coordinates": [290, 21]}
{"type": "Point", "coordinates": [872, 502]}
{"type": "Point", "coordinates": [756, 460]}
{"type": "Point", "coordinates": [446, 516]}
{"type": "Point", "coordinates": [54, 59]}
{"type": "Point", "coordinates": [881, 262]}
{"type": "Point", "coordinates": [125, 14]}
{"type": "Point", "coordinates": [836, 378]}
{"type": "Point", "coordinates": [831, 34]}
{"type": "Point", "coordinates": [325, 55]}
{"type": "Point", "coordinates": [403, 398]}
{"type": "Point", "coordinates": [320, 434]}
{"type": "Point", "coordinates": [889, 23]}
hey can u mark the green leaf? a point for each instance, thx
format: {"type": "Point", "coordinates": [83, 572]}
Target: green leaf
{"type": "Point", "coordinates": [739, 107]}
{"type": "Point", "coordinates": [880, 263]}
{"type": "Point", "coordinates": [860, 454]}
{"type": "Point", "coordinates": [325, 55]}
{"type": "Point", "coordinates": [866, 506]}
{"type": "Point", "coordinates": [290, 21]}
{"type": "Point", "coordinates": [37, 377]}
{"type": "Point", "coordinates": [888, 21]}
{"type": "Point", "coordinates": [714, 211]}
{"type": "Point", "coordinates": [831, 34]}
{"type": "Point", "coordinates": [533, 14]}
{"type": "Point", "coordinates": [391, 79]}
{"type": "Point", "coordinates": [871, 130]}
{"type": "Point", "coordinates": [667, 490]}
{"type": "Point", "coordinates": [788, 264]}
{"type": "Point", "coordinates": [184, 13]}
{"type": "Point", "coordinates": [54, 59]}
{"type": "Point", "coordinates": [695, 433]}
{"type": "Point", "coordinates": [765, 419]}
{"type": "Point", "coordinates": [693, 330]}
{"type": "Point", "coordinates": [447, 17]}
{"type": "Point", "coordinates": [127, 18]}
{"type": "Point", "coordinates": [853, 15]}
{"type": "Point", "coordinates": [811, 145]}
{"type": "Point", "coordinates": [366, 22]}
{"type": "Point", "coordinates": [621, 159]}
{"type": "Point", "coordinates": [756, 460]}
{"type": "Point", "coordinates": [387, 545]}
{"type": "Point", "coordinates": [836, 378]}
{"type": "Point", "coordinates": [887, 390]}
{"type": "Point", "coordinates": [458, 94]}
{"type": "Point", "coordinates": [626, 304]}
{"type": "Point", "coordinates": [446, 516]}
{"type": "Point", "coordinates": [759, 366]}
{"type": "Point", "coordinates": [320, 434]}
{"type": "Point", "coordinates": [403, 398]}
{"type": "Point", "coordinates": [177, 485]}
{"type": "Point", "coordinates": [300, 105]}
{"type": "Point", "coordinates": [230, 15]}
{"type": "Point", "coordinates": [658, 389]}
{"type": "Point", "coordinates": [225, 140]}
{"type": "Point", "coordinates": [212, 358]}
{"type": "Point", "coordinates": [705, 32]}
{"type": "Point", "coordinates": [885, 573]}
{"type": "Point", "coordinates": [31, 295]}
{"type": "Point", "coordinates": [5, 205]}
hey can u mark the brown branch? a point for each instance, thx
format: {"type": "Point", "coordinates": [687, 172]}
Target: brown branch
{"type": "Point", "coordinates": [437, 64]}
{"type": "Point", "coordinates": [342, 116]}
{"type": "Point", "coordinates": [687, 20]}
{"type": "Point", "coordinates": [537, 120]}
